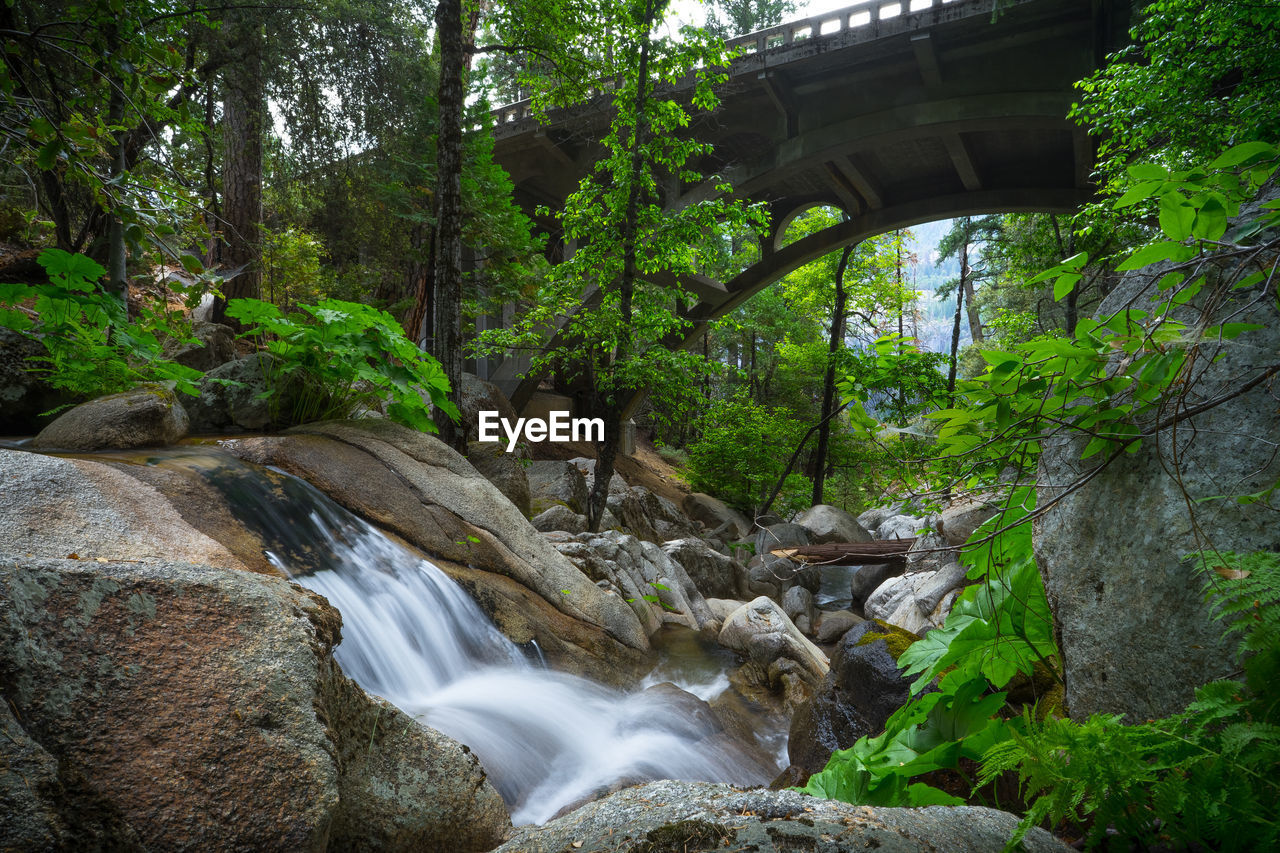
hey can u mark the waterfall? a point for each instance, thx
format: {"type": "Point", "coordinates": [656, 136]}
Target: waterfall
{"type": "Point", "coordinates": [547, 740]}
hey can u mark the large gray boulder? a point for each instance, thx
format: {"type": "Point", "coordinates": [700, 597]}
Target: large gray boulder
{"type": "Point", "coordinates": [761, 630]}
{"type": "Point", "coordinates": [700, 817]}
{"type": "Point", "coordinates": [650, 517]}
{"type": "Point", "coordinates": [714, 574]}
{"type": "Point", "coordinates": [716, 516]}
{"type": "Point", "coordinates": [1135, 636]}
{"type": "Point", "coordinates": [556, 483]}
{"type": "Point", "coordinates": [863, 687]}
{"type": "Point", "coordinates": [201, 708]}
{"type": "Point", "coordinates": [917, 602]}
{"type": "Point", "coordinates": [147, 416]}
{"type": "Point", "coordinates": [827, 523]}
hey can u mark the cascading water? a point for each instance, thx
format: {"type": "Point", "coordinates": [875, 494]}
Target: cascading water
{"type": "Point", "coordinates": [411, 635]}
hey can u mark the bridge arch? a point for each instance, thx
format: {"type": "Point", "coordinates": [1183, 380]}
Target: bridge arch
{"type": "Point", "coordinates": [936, 112]}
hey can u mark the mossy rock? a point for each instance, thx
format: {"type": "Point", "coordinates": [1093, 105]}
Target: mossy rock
{"type": "Point", "coordinates": [897, 639]}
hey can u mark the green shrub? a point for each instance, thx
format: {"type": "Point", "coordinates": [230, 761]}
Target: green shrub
{"type": "Point", "coordinates": [741, 452]}
{"type": "Point", "coordinates": [344, 356]}
{"type": "Point", "coordinates": [93, 347]}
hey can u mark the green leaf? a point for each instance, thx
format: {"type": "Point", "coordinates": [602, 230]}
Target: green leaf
{"type": "Point", "coordinates": [1242, 153]}
{"type": "Point", "coordinates": [1176, 216]}
{"type": "Point", "coordinates": [1064, 285]}
{"type": "Point", "coordinates": [1163, 251]}
{"type": "Point", "coordinates": [1211, 220]}
{"type": "Point", "coordinates": [1137, 193]}
{"type": "Point", "coordinates": [1147, 172]}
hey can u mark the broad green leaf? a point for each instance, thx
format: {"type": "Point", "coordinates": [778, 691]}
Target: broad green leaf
{"type": "Point", "coordinates": [1176, 216]}
{"type": "Point", "coordinates": [1241, 153]}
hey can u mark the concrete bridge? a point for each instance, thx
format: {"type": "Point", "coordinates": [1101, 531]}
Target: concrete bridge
{"type": "Point", "coordinates": [897, 111]}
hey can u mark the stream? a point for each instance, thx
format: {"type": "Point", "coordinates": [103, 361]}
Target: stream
{"type": "Point", "coordinates": [547, 740]}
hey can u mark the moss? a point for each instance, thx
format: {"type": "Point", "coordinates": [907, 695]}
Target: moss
{"type": "Point", "coordinates": [897, 639]}
{"type": "Point", "coordinates": [681, 836]}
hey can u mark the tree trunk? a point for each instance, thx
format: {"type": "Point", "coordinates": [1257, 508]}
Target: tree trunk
{"type": "Point", "coordinates": [243, 125]}
{"type": "Point", "coordinates": [955, 338]}
{"type": "Point", "coordinates": [626, 286]}
{"type": "Point", "coordinates": [447, 325]}
{"type": "Point", "coordinates": [829, 381]}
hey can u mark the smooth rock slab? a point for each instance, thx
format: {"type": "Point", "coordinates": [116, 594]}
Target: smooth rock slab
{"type": "Point", "coordinates": [690, 817]}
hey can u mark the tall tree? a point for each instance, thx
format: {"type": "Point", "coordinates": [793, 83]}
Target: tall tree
{"type": "Point", "coordinates": [447, 279]}
{"type": "Point", "coordinates": [244, 106]}
{"type": "Point", "coordinates": [836, 342]}
{"type": "Point", "coordinates": [626, 237]}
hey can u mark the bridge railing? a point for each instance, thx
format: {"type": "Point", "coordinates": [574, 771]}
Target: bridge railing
{"type": "Point", "coordinates": [861, 14]}
{"type": "Point", "coordinates": [865, 13]}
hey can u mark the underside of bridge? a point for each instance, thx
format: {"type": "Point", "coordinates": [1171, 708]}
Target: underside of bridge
{"type": "Point", "coordinates": [897, 119]}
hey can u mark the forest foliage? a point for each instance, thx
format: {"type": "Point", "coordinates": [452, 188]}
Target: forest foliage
{"type": "Point", "coordinates": [133, 195]}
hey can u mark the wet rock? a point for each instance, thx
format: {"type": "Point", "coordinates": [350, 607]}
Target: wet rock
{"type": "Point", "coordinates": [863, 687]}
{"type": "Point", "coordinates": [51, 507]}
{"type": "Point", "coordinates": [700, 817]}
{"type": "Point", "coordinates": [203, 707]}
{"type": "Point", "coordinates": [827, 523]}
{"type": "Point", "coordinates": [147, 416]}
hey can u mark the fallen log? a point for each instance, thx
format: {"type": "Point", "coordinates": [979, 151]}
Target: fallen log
{"type": "Point", "coordinates": [849, 553]}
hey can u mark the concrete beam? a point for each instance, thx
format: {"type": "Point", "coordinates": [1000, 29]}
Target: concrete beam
{"type": "Point", "coordinates": [546, 143]}
{"type": "Point", "coordinates": [779, 90]}
{"type": "Point", "coordinates": [927, 59]}
{"type": "Point", "coordinates": [861, 182]}
{"type": "Point", "coordinates": [963, 162]}
{"type": "Point", "coordinates": [841, 186]}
